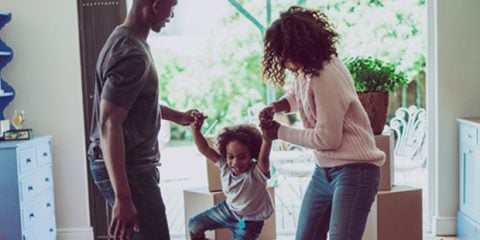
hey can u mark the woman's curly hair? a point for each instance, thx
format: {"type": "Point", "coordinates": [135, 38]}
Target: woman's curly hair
{"type": "Point", "coordinates": [303, 36]}
{"type": "Point", "coordinates": [245, 134]}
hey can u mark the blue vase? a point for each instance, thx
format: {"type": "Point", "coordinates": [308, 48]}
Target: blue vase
{"type": "Point", "coordinates": [7, 93]}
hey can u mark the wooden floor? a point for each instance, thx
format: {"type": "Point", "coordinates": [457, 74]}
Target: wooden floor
{"type": "Point", "coordinates": [446, 238]}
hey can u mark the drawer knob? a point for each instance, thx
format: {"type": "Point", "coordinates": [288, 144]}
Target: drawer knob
{"type": "Point", "coordinates": [31, 215]}
{"type": "Point", "coordinates": [49, 205]}
{"type": "Point", "coordinates": [30, 188]}
{"type": "Point", "coordinates": [45, 154]}
{"type": "Point", "coordinates": [47, 179]}
{"type": "Point", "coordinates": [29, 160]}
{"type": "Point", "coordinates": [50, 230]}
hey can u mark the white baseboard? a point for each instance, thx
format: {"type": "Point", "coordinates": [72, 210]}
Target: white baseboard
{"type": "Point", "coordinates": [75, 234]}
{"type": "Point", "coordinates": [444, 226]}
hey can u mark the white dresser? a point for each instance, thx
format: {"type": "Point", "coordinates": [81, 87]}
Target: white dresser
{"type": "Point", "coordinates": [27, 207]}
{"type": "Point", "coordinates": [468, 219]}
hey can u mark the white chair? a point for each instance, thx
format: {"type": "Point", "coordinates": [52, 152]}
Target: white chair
{"type": "Point", "coordinates": [409, 126]}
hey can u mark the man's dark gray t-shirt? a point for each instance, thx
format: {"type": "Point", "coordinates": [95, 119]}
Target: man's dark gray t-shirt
{"type": "Point", "coordinates": [126, 76]}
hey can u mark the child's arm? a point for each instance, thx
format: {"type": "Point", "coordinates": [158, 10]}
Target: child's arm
{"type": "Point", "coordinates": [199, 139]}
{"type": "Point", "coordinates": [264, 155]}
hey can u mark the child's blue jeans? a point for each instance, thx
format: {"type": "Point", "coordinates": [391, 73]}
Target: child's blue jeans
{"type": "Point", "coordinates": [146, 196]}
{"type": "Point", "coordinates": [220, 216]}
{"type": "Point", "coordinates": [337, 201]}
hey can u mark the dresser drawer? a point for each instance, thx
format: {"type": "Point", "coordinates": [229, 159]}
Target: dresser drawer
{"type": "Point", "coordinates": [39, 210]}
{"type": "Point", "coordinates": [43, 231]}
{"type": "Point", "coordinates": [27, 160]}
{"type": "Point", "coordinates": [35, 184]}
{"type": "Point", "coordinates": [43, 154]}
{"type": "Point", "coordinates": [468, 134]}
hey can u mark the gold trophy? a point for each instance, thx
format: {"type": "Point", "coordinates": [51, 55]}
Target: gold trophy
{"type": "Point", "coordinates": [18, 119]}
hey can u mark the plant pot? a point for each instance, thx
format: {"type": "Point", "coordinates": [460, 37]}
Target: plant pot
{"type": "Point", "coordinates": [376, 106]}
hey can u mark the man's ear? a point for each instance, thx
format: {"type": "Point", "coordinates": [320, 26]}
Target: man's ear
{"type": "Point", "coordinates": [157, 5]}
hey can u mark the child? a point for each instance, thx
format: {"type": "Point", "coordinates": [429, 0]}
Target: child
{"type": "Point", "coordinates": [244, 181]}
{"type": "Point", "coordinates": [345, 180]}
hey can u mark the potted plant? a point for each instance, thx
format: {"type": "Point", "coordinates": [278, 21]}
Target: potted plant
{"type": "Point", "coordinates": [374, 79]}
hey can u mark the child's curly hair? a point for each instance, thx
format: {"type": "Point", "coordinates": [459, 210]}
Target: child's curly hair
{"type": "Point", "coordinates": [246, 134]}
{"type": "Point", "coordinates": [303, 36]}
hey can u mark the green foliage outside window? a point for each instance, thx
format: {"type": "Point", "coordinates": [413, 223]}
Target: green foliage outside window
{"type": "Point", "coordinates": [225, 80]}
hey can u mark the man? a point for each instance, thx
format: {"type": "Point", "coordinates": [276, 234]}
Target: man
{"type": "Point", "coordinates": [124, 150]}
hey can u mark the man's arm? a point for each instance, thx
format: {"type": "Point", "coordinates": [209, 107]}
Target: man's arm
{"type": "Point", "coordinates": [181, 118]}
{"type": "Point", "coordinates": [124, 215]}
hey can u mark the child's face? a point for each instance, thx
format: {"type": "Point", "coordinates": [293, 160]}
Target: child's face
{"type": "Point", "coordinates": [238, 157]}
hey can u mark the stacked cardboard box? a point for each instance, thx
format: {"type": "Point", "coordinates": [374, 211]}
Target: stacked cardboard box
{"type": "Point", "coordinates": [385, 142]}
{"type": "Point", "coordinates": [396, 215]}
{"type": "Point", "coordinates": [213, 177]}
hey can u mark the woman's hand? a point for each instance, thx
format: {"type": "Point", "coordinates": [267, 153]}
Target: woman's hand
{"type": "Point", "coordinates": [266, 115]}
{"type": "Point", "coordinates": [270, 129]}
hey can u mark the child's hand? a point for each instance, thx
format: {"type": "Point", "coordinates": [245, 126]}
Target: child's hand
{"type": "Point", "coordinates": [198, 119]}
{"type": "Point", "coordinates": [186, 118]}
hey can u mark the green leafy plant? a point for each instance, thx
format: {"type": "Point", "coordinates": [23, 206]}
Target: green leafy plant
{"type": "Point", "coordinates": [375, 75]}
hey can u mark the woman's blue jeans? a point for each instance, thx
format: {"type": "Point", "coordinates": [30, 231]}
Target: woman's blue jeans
{"type": "Point", "coordinates": [337, 201]}
{"type": "Point", "coordinates": [146, 196]}
{"type": "Point", "coordinates": [220, 216]}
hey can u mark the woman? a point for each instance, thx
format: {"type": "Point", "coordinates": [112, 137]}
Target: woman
{"type": "Point", "coordinates": [345, 180]}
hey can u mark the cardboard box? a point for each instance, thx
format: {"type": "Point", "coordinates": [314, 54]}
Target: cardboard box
{"type": "Point", "coordinates": [213, 172]}
{"type": "Point", "coordinates": [200, 199]}
{"type": "Point", "coordinates": [213, 177]}
{"type": "Point", "coordinates": [396, 215]}
{"type": "Point", "coordinates": [385, 142]}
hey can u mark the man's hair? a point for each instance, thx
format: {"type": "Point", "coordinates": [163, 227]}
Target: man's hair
{"type": "Point", "coordinates": [245, 134]}
{"type": "Point", "coordinates": [303, 36]}
{"type": "Point", "coordinates": [164, 2]}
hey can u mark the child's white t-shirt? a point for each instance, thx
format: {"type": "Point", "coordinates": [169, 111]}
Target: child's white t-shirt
{"type": "Point", "coordinates": [246, 194]}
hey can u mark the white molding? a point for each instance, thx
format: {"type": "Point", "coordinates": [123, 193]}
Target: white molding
{"type": "Point", "coordinates": [75, 234]}
{"type": "Point", "coordinates": [432, 111]}
{"type": "Point", "coordinates": [444, 226]}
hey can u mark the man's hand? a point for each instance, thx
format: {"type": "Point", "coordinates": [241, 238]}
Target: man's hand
{"type": "Point", "coordinates": [198, 119]}
{"type": "Point", "coordinates": [186, 118]}
{"type": "Point", "coordinates": [124, 219]}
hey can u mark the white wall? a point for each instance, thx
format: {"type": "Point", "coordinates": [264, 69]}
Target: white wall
{"type": "Point", "coordinates": [456, 51]}
{"type": "Point", "coordinates": [46, 75]}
